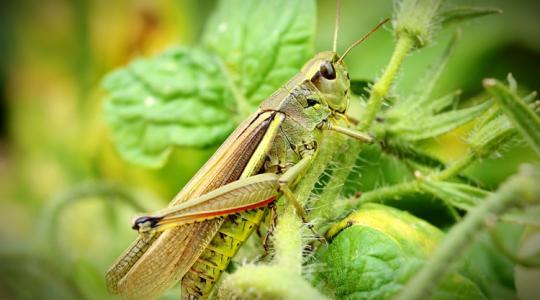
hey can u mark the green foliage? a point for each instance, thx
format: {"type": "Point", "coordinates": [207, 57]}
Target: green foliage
{"type": "Point", "coordinates": [520, 190]}
{"type": "Point", "coordinates": [261, 45]}
{"type": "Point", "coordinates": [420, 19]}
{"type": "Point", "coordinates": [194, 97]}
{"type": "Point", "coordinates": [399, 245]}
{"type": "Point", "coordinates": [495, 270]}
{"type": "Point", "coordinates": [178, 98]}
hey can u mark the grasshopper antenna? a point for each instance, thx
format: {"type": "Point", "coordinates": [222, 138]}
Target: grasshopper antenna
{"type": "Point", "coordinates": [336, 26]}
{"type": "Point", "coordinates": [358, 42]}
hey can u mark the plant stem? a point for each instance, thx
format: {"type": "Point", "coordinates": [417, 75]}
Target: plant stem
{"type": "Point", "coordinates": [266, 282]}
{"type": "Point", "coordinates": [322, 205]}
{"type": "Point", "coordinates": [388, 192]}
{"type": "Point", "coordinates": [381, 89]}
{"type": "Point", "coordinates": [520, 189]}
{"type": "Point", "coordinates": [288, 237]}
{"type": "Point", "coordinates": [331, 144]}
{"type": "Point", "coordinates": [455, 168]}
{"type": "Point", "coordinates": [288, 241]}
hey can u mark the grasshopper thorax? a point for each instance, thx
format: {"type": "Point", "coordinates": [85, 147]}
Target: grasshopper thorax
{"type": "Point", "coordinates": [329, 75]}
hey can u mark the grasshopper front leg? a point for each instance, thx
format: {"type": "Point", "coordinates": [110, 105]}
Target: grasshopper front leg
{"type": "Point", "coordinates": [352, 133]}
{"type": "Point", "coordinates": [241, 195]}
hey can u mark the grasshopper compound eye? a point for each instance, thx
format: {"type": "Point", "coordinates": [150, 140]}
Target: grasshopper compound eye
{"type": "Point", "coordinates": [327, 70]}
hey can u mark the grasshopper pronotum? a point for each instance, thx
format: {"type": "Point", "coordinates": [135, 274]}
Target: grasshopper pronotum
{"type": "Point", "coordinates": [194, 238]}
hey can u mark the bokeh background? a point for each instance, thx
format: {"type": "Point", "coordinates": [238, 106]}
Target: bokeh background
{"type": "Point", "coordinates": [66, 197]}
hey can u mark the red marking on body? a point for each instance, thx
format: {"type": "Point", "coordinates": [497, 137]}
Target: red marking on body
{"type": "Point", "coordinates": [225, 212]}
{"type": "Point", "coordinates": [236, 209]}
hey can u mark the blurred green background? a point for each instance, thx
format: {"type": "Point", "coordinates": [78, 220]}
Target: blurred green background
{"type": "Point", "coordinates": [66, 197]}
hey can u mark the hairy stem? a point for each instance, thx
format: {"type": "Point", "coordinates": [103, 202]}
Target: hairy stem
{"type": "Point", "coordinates": [288, 241]}
{"type": "Point", "coordinates": [520, 189]}
{"type": "Point", "coordinates": [382, 87]}
{"type": "Point", "coordinates": [266, 282]}
{"type": "Point", "coordinates": [394, 192]}
{"type": "Point", "coordinates": [455, 168]}
{"type": "Point", "coordinates": [322, 206]}
{"type": "Point", "coordinates": [331, 144]}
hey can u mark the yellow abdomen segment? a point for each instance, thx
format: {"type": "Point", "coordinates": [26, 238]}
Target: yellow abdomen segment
{"type": "Point", "coordinates": [205, 272]}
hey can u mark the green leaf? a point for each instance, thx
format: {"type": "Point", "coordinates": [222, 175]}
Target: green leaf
{"type": "Point", "coordinates": [262, 44]}
{"type": "Point", "coordinates": [460, 14]}
{"type": "Point", "coordinates": [178, 98]}
{"type": "Point", "coordinates": [413, 109]}
{"type": "Point", "coordinates": [419, 117]}
{"type": "Point", "coordinates": [524, 119]}
{"type": "Point", "coordinates": [195, 97]}
{"type": "Point", "coordinates": [378, 248]}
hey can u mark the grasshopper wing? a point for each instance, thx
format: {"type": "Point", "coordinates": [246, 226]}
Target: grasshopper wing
{"type": "Point", "coordinates": [154, 263]}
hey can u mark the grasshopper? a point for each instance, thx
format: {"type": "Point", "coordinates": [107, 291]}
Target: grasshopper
{"type": "Point", "coordinates": [195, 237]}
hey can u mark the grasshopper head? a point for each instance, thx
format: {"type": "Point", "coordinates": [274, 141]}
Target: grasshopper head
{"type": "Point", "coordinates": [330, 76]}
{"type": "Point", "coordinates": [328, 72]}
